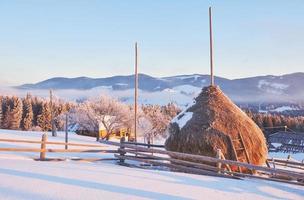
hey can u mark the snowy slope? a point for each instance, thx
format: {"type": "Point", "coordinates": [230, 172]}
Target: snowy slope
{"type": "Point", "coordinates": [23, 178]}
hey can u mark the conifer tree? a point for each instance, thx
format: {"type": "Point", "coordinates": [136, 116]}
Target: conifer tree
{"type": "Point", "coordinates": [6, 112]}
{"type": "Point", "coordinates": [27, 119]}
{"type": "Point", "coordinates": [1, 114]}
{"type": "Point", "coordinates": [44, 118]}
{"type": "Point", "coordinates": [15, 113]}
{"type": "Point", "coordinates": [37, 109]}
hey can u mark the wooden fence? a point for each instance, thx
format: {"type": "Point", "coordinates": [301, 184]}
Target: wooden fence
{"type": "Point", "coordinates": [43, 148]}
{"type": "Point", "coordinates": [156, 155]}
{"type": "Point", "coordinates": [214, 166]}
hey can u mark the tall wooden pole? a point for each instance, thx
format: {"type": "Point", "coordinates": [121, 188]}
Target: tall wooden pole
{"type": "Point", "coordinates": [135, 92]}
{"type": "Point", "coordinates": [54, 134]}
{"type": "Point", "coordinates": [66, 131]}
{"type": "Point", "coordinates": [211, 48]}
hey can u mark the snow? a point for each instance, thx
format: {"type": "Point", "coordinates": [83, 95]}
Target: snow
{"type": "Point", "coordinates": [276, 144]}
{"type": "Point", "coordinates": [279, 86]}
{"type": "Point", "coordinates": [184, 118]}
{"type": "Point", "coordinates": [188, 89]}
{"type": "Point", "coordinates": [294, 156]}
{"type": "Point", "coordinates": [274, 88]}
{"type": "Point", "coordinates": [195, 77]}
{"type": "Point", "coordinates": [263, 111]}
{"type": "Point", "coordinates": [24, 178]}
{"type": "Point", "coordinates": [169, 90]}
{"type": "Point", "coordinates": [156, 88]}
{"type": "Point", "coordinates": [283, 108]}
{"type": "Point", "coordinates": [121, 84]}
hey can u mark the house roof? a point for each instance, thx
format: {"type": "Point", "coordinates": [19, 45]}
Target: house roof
{"type": "Point", "coordinates": [288, 139]}
{"type": "Point", "coordinates": [289, 135]}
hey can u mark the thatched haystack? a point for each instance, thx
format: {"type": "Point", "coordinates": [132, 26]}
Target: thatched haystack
{"type": "Point", "coordinates": [205, 125]}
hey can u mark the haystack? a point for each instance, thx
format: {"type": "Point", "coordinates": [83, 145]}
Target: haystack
{"type": "Point", "coordinates": [206, 125]}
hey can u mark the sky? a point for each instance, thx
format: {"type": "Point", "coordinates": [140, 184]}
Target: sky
{"type": "Point", "coordinates": [95, 38]}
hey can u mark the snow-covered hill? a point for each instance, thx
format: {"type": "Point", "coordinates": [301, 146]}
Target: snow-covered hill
{"type": "Point", "coordinates": [23, 178]}
{"type": "Point", "coordinates": [283, 88]}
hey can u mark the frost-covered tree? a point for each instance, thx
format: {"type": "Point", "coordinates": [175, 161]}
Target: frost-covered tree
{"type": "Point", "coordinates": [154, 122]}
{"type": "Point", "coordinates": [27, 118]}
{"type": "Point", "coordinates": [44, 118]}
{"type": "Point", "coordinates": [37, 109]}
{"type": "Point", "coordinates": [6, 110]}
{"type": "Point", "coordinates": [13, 113]}
{"type": "Point", "coordinates": [111, 113]}
{"type": "Point", "coordinates": [104, 110]}
{"type": "Point", "coordinates": [1, 113]}
{"type": "Point", "coordinates": [61, 108]}
{"type": "Point", "coordinates": [84, 117]}
{"type": "Point", "coordinates": [170, 110]}
{"type": "Point", "coordinates": [17, 110]}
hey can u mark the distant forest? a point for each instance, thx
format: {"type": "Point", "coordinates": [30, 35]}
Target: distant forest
{"type": "Point", "coordinates": [33, 113]}
{"type": "Point", "coordinates": [30, 113]}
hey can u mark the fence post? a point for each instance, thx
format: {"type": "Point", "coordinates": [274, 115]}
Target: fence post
{"type": "Point", "coordinates": [43, 146]}
{"type": "Point", "coordinates": [288, 159]}
{"type": "Point", "coordinates": [149, 143]}
{"type": "Point", "coordinates": [218, 164]}
{"type": "Point", "coordinates": [122, 153]}
{"type": "Point", "coordinates": [66, 131]}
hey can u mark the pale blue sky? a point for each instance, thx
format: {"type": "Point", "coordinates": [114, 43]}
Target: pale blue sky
{"type": "Point", "coordinates": [40, 39]}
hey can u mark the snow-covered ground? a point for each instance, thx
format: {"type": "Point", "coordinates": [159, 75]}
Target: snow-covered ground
{"type": "Point", "coordinates": [23, 178]}
{"type": "Point", "coordinates": [293, 156]}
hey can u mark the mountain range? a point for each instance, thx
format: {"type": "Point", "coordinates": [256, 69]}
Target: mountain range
{"type": "Point", "coordinates": [288, 87]}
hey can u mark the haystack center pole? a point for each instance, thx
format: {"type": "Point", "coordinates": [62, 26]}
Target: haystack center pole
{"type": "Point", "coordinates": [211, 48]}
{"type": "Point", "coordinates": [135, 93]}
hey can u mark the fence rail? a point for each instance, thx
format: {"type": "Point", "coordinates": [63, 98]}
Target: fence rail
{"type": "Point", "coordinates": [146, 145]}
{"type": "Point", "coordinates": [288, 162]}
{"type": "Point", "coordinates": [157, 155]}
{"type": "Point", "coordinates": [58, 150]}
{"type": "Point", "coordinates": [43, 148]}
{"type": "Point", "coordinates": [46, 142]}
{"type": "Point", "coordinates": [202, 164]}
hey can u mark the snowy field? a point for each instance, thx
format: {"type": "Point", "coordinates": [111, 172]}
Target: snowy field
{"type": "Point", "coordinates": [23, 178]}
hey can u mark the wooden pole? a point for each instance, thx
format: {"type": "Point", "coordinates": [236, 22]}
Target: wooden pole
{"type": "Point", "coordinates": [135, 92]}
{"type": "Point", "coordinates": [54, 134]}
{"type": "Point", "coordinates": [218, 164]}
{"type": "Point", "coordinates": [122, 153]}
{"type": "Point", "coordinates": [43, 146]}
{"type": "Point", "coordinates": [211, 49]}
{"type": "Point", "coordinates": [66, 131]}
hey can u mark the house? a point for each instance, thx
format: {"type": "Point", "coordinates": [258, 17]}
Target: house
{"type": "Point", "coordinates": [117, 133]}
{"type": "Point", "coordinates": [286, 141]}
